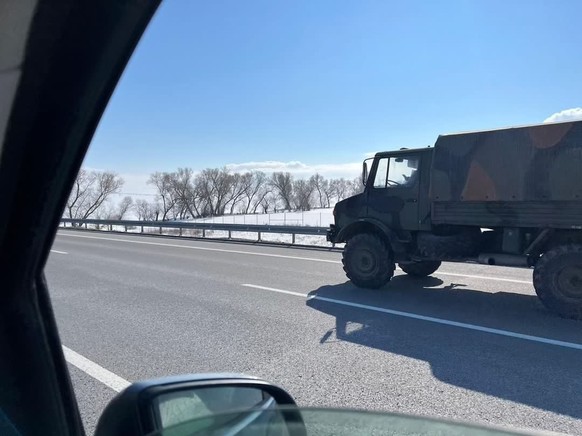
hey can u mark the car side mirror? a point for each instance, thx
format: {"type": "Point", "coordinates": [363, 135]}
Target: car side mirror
{"type": "Point", "coordinates": [201, 404]}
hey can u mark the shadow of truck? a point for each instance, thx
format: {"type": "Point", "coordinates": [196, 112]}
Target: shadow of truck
{"type": "Point", "coordinates": [524, 371]}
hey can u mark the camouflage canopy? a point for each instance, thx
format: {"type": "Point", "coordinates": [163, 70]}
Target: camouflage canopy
{"type": "Point", "coordinates": [532, 163]}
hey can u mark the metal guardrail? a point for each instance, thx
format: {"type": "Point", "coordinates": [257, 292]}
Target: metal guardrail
{"type": "Point", "coordinates": [204, 227]}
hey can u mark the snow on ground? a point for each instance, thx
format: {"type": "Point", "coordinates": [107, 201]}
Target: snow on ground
{"type": "Point", "coordinates": [312, 218]}
{"type": "Point", "coordinates": [283, 238]}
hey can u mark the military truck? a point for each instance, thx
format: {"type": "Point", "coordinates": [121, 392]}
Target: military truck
{"type": "Point", "coordinates": [510, 197]}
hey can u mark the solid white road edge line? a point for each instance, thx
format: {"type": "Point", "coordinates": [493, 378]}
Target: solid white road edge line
{"type": "Point", "coordinates": [59, 252]}
{"type": "Point", "coordinates": [251, 253]}
{"type": "Point", "coordinates": [96, 371]}
{"type": "Point", "coordinates": [427, 318]}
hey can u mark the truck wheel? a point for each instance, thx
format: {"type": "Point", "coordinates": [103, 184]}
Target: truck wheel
{"type": "Point", "coordinates": [557, 279]}
{"type": "Point", "coordinates": [421, 268]}
{"type": "Point", "coordinates": [368, 261]}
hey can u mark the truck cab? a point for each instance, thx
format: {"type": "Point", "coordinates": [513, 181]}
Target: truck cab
{"type": "Point", "coordinates": [395, 197]}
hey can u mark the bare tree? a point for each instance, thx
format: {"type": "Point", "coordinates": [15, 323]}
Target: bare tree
{"type": "Point", "coordinates": [79, 194]}
{"type": "Point", "coordinates": [186, 193]}
{"type": "Point", "coordinates": [328, 192]}
{"type": "Point", "coordinates": [303, 194]}
{"type": "Point", "coordinates": [214, 185]}
{"type": "Point", "coordinates": [167, 196]}
{"type": "Point", "coordinates": [256, 189]}
{"type": "Point", "coordinates": [155, 211]}
{"type": "Point", "coordinates": [282, 184]}
{"type": "Point", "coordinates": [355, 186]}
{"type": "Point", "coordinates": [320, 186]}
{"type": "Point", "coordinates": [105, 212]}
{"type": "Point", "coordinates": [90, 191]}
{"type": "Point", "coordinates": [236, 191]}
{"type": "Point", "coordinates": [147, 211]}
{"type": "Point", "coordinates": [142, 209]}
{"type": "Point", "coordinates": [123, 207]}
{"type": "Point", "coordinates": [340, 188]}
{"type": "Point", "coordinates": [268, 202]}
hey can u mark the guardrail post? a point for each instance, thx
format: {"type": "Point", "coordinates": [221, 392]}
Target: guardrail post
{"type": "Point", "coordinates": [204, 233]}
{"type": "Point", "coordinates": [125, 229]}
{"type": "Point", "coordinates": [229, 234]}
{"type": "Point", "coordinates": [160, 230]}
{"type": "Point", "coordinates": [293, 238]}
{"type": "Point", "coordinates": [141, 229]}
{"type": "Point", "coordinates": [180, 231]}
{"type": "Point", "coordinates": [259, 237]}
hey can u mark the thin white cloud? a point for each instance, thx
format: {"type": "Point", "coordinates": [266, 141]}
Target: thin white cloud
{"type": "Point", "coordinates": [299, 168]}
{"type": "Point", "coordinates": [574, 114]}
{"type": "Point", "coordinates": [269, 165]}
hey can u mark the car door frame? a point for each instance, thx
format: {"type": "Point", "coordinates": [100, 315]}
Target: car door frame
{"type": "Point", "coordinates": [74, 55]}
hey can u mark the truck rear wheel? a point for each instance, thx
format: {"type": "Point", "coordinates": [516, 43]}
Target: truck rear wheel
{"type": "Point", "coordinates": [557, 279]}
{"type": "Point", "coordinates": [368, 261]}
{"type": "Point", "coordinates": [421, 268]}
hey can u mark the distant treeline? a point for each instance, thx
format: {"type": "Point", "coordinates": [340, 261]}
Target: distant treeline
{"type": "Point", "coordinates": [184, 194]}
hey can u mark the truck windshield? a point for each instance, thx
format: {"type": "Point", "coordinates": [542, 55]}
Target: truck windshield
{"type": "Point", "coordinates": [396, 171]}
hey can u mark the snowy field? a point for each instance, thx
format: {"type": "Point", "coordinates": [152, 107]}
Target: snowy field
{"type": "Point", "coordinates": [313, 218]}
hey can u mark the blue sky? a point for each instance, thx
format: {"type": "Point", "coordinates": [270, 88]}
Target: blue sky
{"type": "Point", "coordinates": [314, 85]}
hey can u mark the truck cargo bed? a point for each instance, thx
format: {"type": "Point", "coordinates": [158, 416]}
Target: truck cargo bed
{"type": "Point", "coordinates": [553, 214]}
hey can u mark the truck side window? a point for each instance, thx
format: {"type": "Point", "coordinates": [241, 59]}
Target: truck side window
{"type": "Point", "coordinates": [402, 171]}
{"type": "Point", "coordinates": [381, 173]}
{"type": "Point", "coordinates": [396, 171]}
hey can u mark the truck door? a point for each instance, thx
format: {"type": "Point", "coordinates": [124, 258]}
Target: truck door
{"type": "Point", "coordinates": [393, 192]}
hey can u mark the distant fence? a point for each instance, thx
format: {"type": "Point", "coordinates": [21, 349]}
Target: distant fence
{"type": "Point", "coordinates": [192, 229]}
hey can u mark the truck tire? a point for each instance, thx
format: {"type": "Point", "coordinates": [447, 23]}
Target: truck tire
{"type": "Point", "coordinates": [462, 244]}
{"type": "Point", "coordinates": [557, 280]}
{"type": "Point", "coordinates": [421, 268]}
{"type": "Point", "coordinates": [367, 261]}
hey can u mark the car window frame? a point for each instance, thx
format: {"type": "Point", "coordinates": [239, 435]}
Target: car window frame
{"type": "Point", "coordinates": [75, 54]}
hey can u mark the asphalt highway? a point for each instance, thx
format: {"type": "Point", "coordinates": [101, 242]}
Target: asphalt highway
{"type": "Point", "coordinates": [470, 343]}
